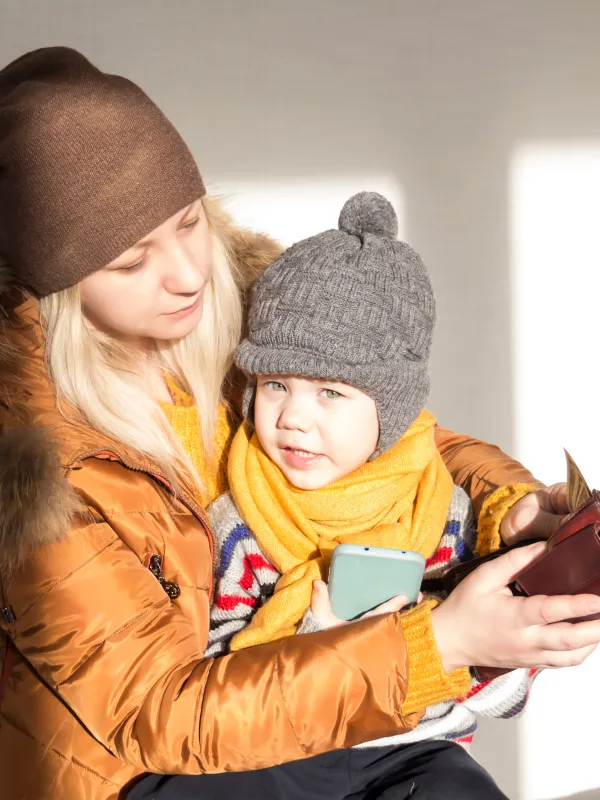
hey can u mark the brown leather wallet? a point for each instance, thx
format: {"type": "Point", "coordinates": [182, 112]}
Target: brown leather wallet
{"type": "Point", "coordinates": [570, 565]}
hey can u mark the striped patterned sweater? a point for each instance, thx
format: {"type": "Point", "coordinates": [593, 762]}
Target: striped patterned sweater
{"type": "Point", "coordinates": [245, 580]}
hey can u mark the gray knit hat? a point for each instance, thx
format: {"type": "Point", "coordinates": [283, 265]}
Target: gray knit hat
{"type": "Point", "coordinates": [352, 305]}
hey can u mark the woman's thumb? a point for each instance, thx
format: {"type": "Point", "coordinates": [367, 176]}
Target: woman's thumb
{"type": "Point", "coordinates": [501, 571]}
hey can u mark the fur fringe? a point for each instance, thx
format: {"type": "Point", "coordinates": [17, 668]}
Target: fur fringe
{"type": "Point", "coordinates": [252, 252]}
{"type": "Point", "coordinates": [37, 504]}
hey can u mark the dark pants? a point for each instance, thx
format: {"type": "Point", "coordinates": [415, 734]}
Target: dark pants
{"type": "Point", "coordinates": [424, 771]}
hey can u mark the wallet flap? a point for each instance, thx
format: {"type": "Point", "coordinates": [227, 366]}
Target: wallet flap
{"type": "Point", "coordinates": [574, 568]}
{"type": "Point", "coordinates": [587, 514]}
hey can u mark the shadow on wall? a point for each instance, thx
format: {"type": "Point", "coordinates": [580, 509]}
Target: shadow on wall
{"type": "Point", "coordinates": [434, 93]}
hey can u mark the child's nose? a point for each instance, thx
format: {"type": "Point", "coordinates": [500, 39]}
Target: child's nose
{"type": "Point", "coordinates": [294, 417]}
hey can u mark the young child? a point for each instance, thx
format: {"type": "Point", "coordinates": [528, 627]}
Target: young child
{"type": "Point", "coordinates": [337, 448]}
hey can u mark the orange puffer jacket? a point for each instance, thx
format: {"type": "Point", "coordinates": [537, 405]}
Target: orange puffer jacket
{"type": "Point", "coordinates": [105, 594]}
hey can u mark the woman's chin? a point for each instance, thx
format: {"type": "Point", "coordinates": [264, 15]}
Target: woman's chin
{"type": "Point", "coordinates": [178, 328]}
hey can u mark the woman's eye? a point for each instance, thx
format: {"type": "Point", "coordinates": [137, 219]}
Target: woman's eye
{"type": "Point", "coordinates": [131, 268]}
{"type": "Point", "coordinates": [191, 224]}
{"type": "Point", "coordinates": [275, 386]}
{"type": "Point", "coordinates": [331, 394]}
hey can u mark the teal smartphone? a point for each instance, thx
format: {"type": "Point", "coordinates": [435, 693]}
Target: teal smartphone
{"type": "Point", "coordinates": [362, 578]}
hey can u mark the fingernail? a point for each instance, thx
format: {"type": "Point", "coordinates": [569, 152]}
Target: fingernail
{"type": "Point", "coordinates": [537, 546]}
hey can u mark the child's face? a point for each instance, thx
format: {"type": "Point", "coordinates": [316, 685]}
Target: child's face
{"type": "Point", "coordinates": [316, 431]}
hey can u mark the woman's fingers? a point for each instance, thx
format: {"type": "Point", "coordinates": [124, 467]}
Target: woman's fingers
{"type": "Point", "coordinates": [555, 499]}
{"type": "Point", "coordinates": [395, 604]}
{"type": "Point", "coordinates": [544, 610]}
{"type": "Point", "coordinates": [537, 515]}
{"type": "Point", "coordinates": [566, 636]}
{"type": "Point", "coordinates": [555, 659]}
{"type": "Point", "coordinates": [320, 605]}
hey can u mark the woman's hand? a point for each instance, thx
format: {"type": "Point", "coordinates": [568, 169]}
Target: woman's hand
{"type": "Point", "coordinates": [535, 516]}
{"type": "Point", "coordinates": [482, 624]}
{"type": "Point", "coordinates": [320, 605]}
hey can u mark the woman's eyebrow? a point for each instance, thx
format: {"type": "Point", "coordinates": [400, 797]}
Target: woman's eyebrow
{"type": "Point", "coordinates": [135, 251]}
{"type": "Point", "coordinates": [186, 211]}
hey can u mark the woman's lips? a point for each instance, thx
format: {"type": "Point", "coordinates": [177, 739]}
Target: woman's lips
{"type": "Point", "coordinates": [299, 459]}
{"type": "Point", "coordinates": [187, 310]}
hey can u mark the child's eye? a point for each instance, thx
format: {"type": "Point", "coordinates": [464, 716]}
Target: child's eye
{"type": "Point", "coordinates": [275, 386]}
{"type": "Point", "coordinates": [331, 394]}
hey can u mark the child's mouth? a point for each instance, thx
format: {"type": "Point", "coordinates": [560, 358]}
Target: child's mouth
{"type": "Point", "coordinates": [300, 459]}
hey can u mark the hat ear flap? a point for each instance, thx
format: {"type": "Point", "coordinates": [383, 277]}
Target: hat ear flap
{"type": "Point", "coordinates": [249, 398]}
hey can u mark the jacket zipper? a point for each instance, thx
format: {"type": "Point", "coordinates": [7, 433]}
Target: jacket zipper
{"type": "Point", "coordinates": [188, 503]}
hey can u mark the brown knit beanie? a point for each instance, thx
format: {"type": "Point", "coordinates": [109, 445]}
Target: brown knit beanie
{"type": "Point", "coordinates": [88, 166]}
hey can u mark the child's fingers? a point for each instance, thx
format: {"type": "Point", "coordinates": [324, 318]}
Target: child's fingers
{"type": "Point", "coordinates": [319, 601]}
{"type": "Point", "coordinates": [320, 605]}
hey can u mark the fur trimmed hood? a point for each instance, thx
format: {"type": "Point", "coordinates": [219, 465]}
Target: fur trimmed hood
{"type": "Point", "coordinates": [37, 445]}
{"type": "Point", "coordinates": [36, 502]}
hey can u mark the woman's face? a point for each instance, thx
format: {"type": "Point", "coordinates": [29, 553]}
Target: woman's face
{"type": "Point", "coordinates": [155, 289]}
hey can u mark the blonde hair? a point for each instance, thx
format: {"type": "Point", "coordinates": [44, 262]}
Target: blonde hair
{"type": "Point", "coordinates": [96, 374]}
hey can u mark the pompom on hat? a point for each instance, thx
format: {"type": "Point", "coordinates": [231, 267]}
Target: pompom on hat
{"type": "Point", "coordinates": [352, 305]}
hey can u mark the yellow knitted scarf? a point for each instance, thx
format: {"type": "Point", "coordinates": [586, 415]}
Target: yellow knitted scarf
{"type": "Point", "coordinates": [399, 499]}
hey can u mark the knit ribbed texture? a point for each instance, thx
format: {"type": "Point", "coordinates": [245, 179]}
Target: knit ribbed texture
{"type": "Point", "coordinates": [182, 415]}
{"type": "Point", "coordinates": [351, 305]}
{"type": "Point", "coordinates": [493, 511]}
{"type": "Point", "coordinates": [88, 166]}
{"type": "Point", "coordinates": [428, 682]}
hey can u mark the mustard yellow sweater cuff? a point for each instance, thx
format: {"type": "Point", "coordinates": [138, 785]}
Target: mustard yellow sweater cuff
{"type": "Point", "coordinates": [428, 682]}
{"type": "Point", "coordinates": [493, 511]}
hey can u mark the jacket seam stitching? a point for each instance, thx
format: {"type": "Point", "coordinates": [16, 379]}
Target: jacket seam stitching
{"type": "Point", "coordinates": [285, 706]}
{"type": "Point", "coordinates": [195, 588]}
{"type": "Point", "coordinates": [49, 749]}
{"type": "Point", "coordinates": [114, 512]}
{"type": "Point", "coordinates": [199, 704]}
{"type": "Point", "coordinates": [108, 638]}
{"type": "Point", "coordinates": [112, 543]}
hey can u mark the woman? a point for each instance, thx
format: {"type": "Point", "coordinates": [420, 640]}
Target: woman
{"type": "Point", "coordinates": [125, 292]}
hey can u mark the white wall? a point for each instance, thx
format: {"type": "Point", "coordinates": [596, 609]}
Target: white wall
{"type": "Point", "coordinates": [444, 106]}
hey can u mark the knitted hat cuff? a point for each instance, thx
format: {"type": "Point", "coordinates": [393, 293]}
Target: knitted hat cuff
{"type": "Point", "coordinates": [399, 389]}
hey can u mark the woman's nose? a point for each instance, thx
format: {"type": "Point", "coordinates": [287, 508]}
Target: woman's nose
{"type": "Point", "coordinates": [182, 274]}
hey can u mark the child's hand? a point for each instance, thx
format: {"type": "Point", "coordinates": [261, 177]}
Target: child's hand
{"type": "Point", "coordinates": [482, 624]}
{"type": "Point", "coordinates": [321, 606]}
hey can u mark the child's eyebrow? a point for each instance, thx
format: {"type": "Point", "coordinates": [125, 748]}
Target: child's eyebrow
{"type": "Point", "coordinates": [331, 382]}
